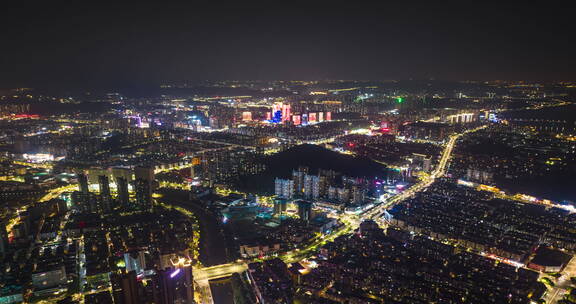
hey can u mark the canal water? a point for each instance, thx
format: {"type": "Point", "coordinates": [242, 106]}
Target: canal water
{"type": "Point", "coordinates": [213, 249]}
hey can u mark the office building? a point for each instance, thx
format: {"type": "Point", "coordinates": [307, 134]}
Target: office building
{"type": "Point", "coordinates": [479, 175]}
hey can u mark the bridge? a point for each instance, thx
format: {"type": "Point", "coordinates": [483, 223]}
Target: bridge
{"type": "Point", "coordinates": [219, 271]}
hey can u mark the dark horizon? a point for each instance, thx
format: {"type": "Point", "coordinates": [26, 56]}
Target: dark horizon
{"type": "Point", "coordinates": [147, 45]}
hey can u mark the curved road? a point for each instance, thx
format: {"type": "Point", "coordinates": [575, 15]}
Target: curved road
{"type": "Point", "coordinates": [351, 222]}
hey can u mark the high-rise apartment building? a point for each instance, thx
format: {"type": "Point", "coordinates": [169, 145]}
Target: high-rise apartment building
{"type": "Point", "coordinates": [125, 288]}
{"type": "Point", "coordinates": [105, 195]}
{"type": "Point", "coordinates": [173, 286]}
{"type": "Point", "coordinates": [122, 189]}
{"type": "Point", "coordinates": [304, 210]}
{"type": "Point", "coordinates": [143, 186]}
{"type": "Point", "coordinates": [284, 188]}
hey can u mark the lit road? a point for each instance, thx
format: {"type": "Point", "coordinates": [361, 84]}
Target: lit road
{"type": "Point", "coordinates": [562, 283]}
{"type": "Point", "coordinates": [558, 103]}
{"type": "Point", "coordinates": [34, 165]}
{"type": "Point", "coordinates": [53, 193]}
{"type": "Point", "coordinates": [203, 275]}
{"type": "Point", "coordinates": [424, 183]}
{"type": "Point", "coordinates": [226, 270]}
{"type": "Point", "coordinates": [351, 222]}
{"type": "Point", "coordinates": [56, 192]}
{"type": "Point", "coordinates": [219, 271]}
{"type": "Point", "coordinates": [205, 294]}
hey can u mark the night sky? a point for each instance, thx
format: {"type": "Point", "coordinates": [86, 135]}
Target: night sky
{"type": "Point", "coordinates": [127, 45]}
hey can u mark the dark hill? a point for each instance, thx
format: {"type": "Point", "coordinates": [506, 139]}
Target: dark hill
{"type": "Point", "coordinates": [314, 157]}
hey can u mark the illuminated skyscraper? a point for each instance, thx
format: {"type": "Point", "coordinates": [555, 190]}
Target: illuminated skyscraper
{"type": "Point", "coordinates": [286, 112]}
{"type": "Point", "coordinates": [277, 112]}
{"type": "Point", "coordinates": [135, 261]}
{"type": "Point", "coordinates": [298, 179]}
{"type": "Point", "coordinates": [312, 117]}
{"type": "Point", "coordinates": [296, 120]}
{"type": "Point", "coordinates": [307, 185]}
{"type": "Point", "coordinates": [318, 186]}
{"type": "Point", "coordinates": [246, 116]}
{"type": "Point", "coordinates": [284, 188]}
{"type": "Point", "coordinates": [280, 113]}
